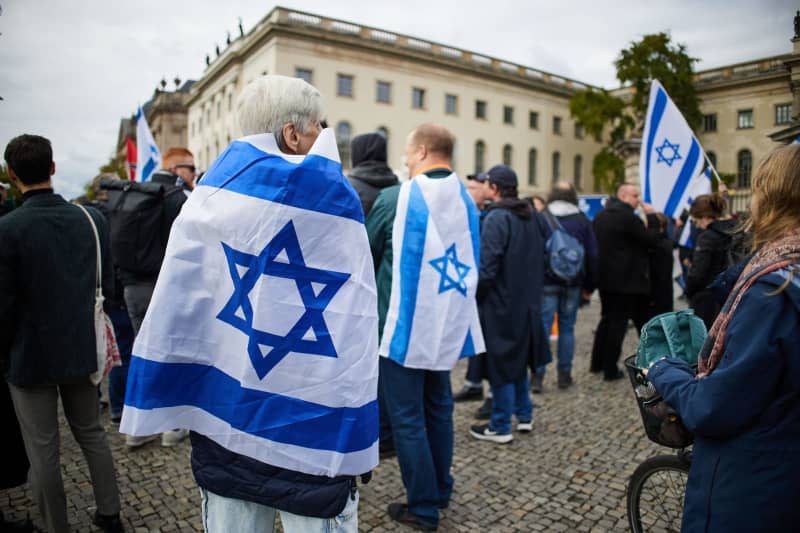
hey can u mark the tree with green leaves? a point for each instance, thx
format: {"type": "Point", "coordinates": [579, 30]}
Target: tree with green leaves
{"type": "Point", "coordinates": [611, 119]}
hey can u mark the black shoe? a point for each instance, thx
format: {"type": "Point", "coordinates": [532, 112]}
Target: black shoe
{"type": "Point", "coordinates": [468, 393]}
{"type": "Point", "coordinates": [618, 374]}
{"type": "Point", "coordinates": [17, 526]}
{"type": "Point", "coordinates": [386, 450]}
{"type": "Point", "coordinates": [536, 383]}
{"type": "Point", "coordinates": [564, 379]}
{"type": "Point", "coordinates": [484, 412]}
{"type": "Point", "coordinates": [108, 523]}
{"type": "Point", "coordinates": [399, 512]}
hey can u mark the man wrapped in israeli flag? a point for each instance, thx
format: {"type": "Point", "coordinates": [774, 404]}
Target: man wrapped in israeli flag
{"type": "Point", "coordinates": [261, 336]}
{"type": "Point", "coordinates": [425, 244]}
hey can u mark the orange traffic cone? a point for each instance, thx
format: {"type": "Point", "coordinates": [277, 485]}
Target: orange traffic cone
{"type": "Point", "coordinates": [554, 329]}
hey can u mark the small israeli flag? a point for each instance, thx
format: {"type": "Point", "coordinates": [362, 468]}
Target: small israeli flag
{"type": "Point", "coordinates": [432, 319]}
{"type": "Point", "coordinates": [671, 157]}
{"type": "Point", "coordinates": [262, 332]}
{"type": "Point", "coordinates": [148, 157]}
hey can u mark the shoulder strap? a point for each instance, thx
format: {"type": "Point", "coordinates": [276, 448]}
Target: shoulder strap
{"type": "Point", "coordinates": [99, 269]}
{"type": "Point", "coordinates": [551, 219]}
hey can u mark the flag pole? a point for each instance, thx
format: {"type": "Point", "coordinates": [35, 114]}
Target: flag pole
{"type": "Point", "coordinates": [713, 170]}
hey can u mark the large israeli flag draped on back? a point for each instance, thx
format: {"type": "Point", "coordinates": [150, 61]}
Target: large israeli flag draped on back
{"type": "Point", "coordinates": [262, 330]}
{"type": "Point", "coordinates": [432, 319]}
{"type": "Point", "coordinates": [148, 157]}
{"type": "Point", "coordinates": [671, 160]}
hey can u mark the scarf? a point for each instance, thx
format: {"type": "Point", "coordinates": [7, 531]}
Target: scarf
{"type": "Point", "coordinates": [770, 257]}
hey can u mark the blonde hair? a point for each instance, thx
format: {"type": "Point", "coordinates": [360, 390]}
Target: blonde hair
{"type": "Point", "coordinates": [776, 191]}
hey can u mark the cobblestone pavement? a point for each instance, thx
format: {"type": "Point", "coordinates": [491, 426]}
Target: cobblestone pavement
{"type": "Point", "coordinates": [569, 474]}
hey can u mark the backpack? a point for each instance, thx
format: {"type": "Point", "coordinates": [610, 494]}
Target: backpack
{"type": "Point", "coordinates": [139, 225]}
{"type": "Point", "coordinates": [563, 252]}
{"type": "Point", "coordinates": [677, 334]}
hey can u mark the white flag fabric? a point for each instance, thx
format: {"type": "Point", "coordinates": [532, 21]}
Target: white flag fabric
{"type": "Point", "coordinates": [262, 333]}
{"type": "Point", "coordinates": [699, 185]}
{"type": "Point", "coordinates": [671, 157]}
{"type": "Point", "coordinates": [148, 157]}
{"type": "Point", "coordinates": [432, 319]}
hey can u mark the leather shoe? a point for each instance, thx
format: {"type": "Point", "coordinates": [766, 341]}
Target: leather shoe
{"type": "Point", "coordinates": [399, 512]}
{"type": "Point", "coordinates": [468, 393]}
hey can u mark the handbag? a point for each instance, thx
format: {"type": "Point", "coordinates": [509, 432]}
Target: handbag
{"type": "Point", "coordinates": [105, 341]}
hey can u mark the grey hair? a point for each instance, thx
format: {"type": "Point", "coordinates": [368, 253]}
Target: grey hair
{"type": "Point", "coordinates": [269, 102]}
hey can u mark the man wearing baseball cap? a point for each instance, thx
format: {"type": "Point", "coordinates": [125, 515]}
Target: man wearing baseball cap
{"type": "Point", "coordinates": [509, 301]}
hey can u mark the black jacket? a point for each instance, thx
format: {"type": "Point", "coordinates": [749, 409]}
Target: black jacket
{"type": "Point", "coordinates": [47, 283]}
{"type": "Point", "coordinates": [370, 173]}
{"type": "Point", "coordinates": [623, 243]}
{"type": "Point", "coordinates": [231, 475]}
{"type": "Point", "coordinates": [710, 255]}
{"type": "Point", "coordinates": [510, 290]}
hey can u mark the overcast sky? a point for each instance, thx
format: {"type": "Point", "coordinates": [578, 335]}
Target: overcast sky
{"type": "Point", "coordinates": [69, 70]}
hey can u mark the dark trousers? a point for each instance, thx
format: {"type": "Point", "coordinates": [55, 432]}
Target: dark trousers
{"type": "Point", "coordinates": [137, 299]}
{"type": "Point", "coordinates": [615, 310]}
{"type": "Point", "coordinates": [476, 369]}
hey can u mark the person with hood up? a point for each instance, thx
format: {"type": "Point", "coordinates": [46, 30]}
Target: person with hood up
{"type": "Point", "coordinates": [370, 173]}
{"type": "Point", "coordinates": [509, 303]}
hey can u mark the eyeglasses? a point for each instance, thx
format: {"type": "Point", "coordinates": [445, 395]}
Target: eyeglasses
{"type": "Point", "coordinates": [190, 168]}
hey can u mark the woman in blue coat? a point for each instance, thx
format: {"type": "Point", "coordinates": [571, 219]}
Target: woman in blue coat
{"type": "Point", "coordinates": [744, 403]}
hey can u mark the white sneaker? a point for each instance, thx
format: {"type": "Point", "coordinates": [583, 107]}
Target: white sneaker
{"type": "Point", "coordinates": [525, 427]}
{"type": "Point", "coordinates": [171, 438]}
{"type": "Point", "coordinates": [135, 442]}
{"type": "Point", "coordinates": [484, 432]}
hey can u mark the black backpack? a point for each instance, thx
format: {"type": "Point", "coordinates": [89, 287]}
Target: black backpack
{"type": "Point", "coordinates": [139, 225]}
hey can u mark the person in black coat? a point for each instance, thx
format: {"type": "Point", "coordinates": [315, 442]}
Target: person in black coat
{"type": "Point", "coordinates": [661, 265]}
{"type": "Point", "coordinates": [711, 254]}
{"type": "Point", "coordinates": [47, 335]}
{"type": "Point", "coordinates": [623, 275]}
{"type": "Point", "coordinates": [509, 304]}
{"type": "Point", "coordinates": [370, 173]}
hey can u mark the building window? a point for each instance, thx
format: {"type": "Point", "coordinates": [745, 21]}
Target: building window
{"type": "Point", "coordinates": [578, 131]}
{"type": "Point", "coordinates": [343, 134]}
{"type": "Point", "coordinates": [744, 166]}
{"type": "Point", "coordinates": [578, 176]}
{"type": "Point", "coordinates": [710, 122]}
{"type": "Point", "coordinates": [418, 98]}
{"type": "Point", "coordinates": [713, 158]}
{"type": "Point", "coordinates": [557, 125]}
{"type": "Point", "coordinates": [532, 166]}
{"type": "Point", "coordinates": [480, 109]}
{"type": "Point", "coordinates": [783, 114]}
{"type": "Point", "coordinates": [383, 92]}
{"type": "Point", "coordinates": [304, 74]}
{"type": "Point", "coordinates": [219, 108]}
{"type": "Point", "coordinates": [344, 85]}
{"type": "Point", "coordinates": [450, 104]}
{"type": "Point", "coordinates": [556, 166]}
{"type": "Point", "coordinates": [383, 131]}
{"type": "Point", "coordinates": [508, 152]}
{"type": "Point", "coordinates": [480, 151]}
{"type": "Point", "coordinates": [230, 101]}
{"type": "Point", "coordinates": [533, 120]}
{"type": "Point", "coordinates": [508, 114]}
{"type": "Point", "coordinates": [745, 119]}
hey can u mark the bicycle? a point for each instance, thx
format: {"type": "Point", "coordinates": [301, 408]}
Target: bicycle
{"type": "Point", "coordinates": [656, 488]}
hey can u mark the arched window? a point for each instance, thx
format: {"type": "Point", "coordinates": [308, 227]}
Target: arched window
{"type": "Point", "coordinates": [556, 166]}
{"type": "Point", "coordinates": [713, 158]}
{"type": "Point", "coordinates": [480, 151]}
{"type": "Point", "coordinates": [343, 135]}
{"type": "Point", "coordinates": [532, 166]}
{"type": "Point", "coordinates": [578, 176]}
{"type": "Point", "coordinates": [508, 152]}
{"type": "Point", "coordinates": [743, 168]}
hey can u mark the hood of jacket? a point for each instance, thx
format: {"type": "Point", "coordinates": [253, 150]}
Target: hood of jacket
{"type": "Point", "coordinates": [368, 147]}
{"type": "Point", "coordinates": [560, 208]}
{"type": "Point", "coordinates": [374, 173]}
{"type": "Point", "coordinates": [518, 207]}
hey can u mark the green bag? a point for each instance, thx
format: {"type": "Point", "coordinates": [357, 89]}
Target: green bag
{"type": "Point", "coordinates": [677, 334]}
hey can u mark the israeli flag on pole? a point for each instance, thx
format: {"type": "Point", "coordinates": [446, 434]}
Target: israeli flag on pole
{"type": "Point", "coordinates": [432, 319]}
{"type": "Point", "coordinates": [262, 333]}
{"type": "Point", "coordinates": [699, 185]}
{"type": "Point", "coordinates": [148, 157]}
{"type": "Point", "coordinates": [671, 157]}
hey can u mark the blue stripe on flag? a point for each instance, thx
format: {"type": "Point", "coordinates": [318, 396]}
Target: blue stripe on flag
{"type": "Point", "coordinates": [148, 169]}
{"type": "Point", "coordinates": [686, 175]}
{"type": "Point", "coordinates": [410, 269]}
{"type": "Point", "coordinates": [474, 224]}
{"type": "Point", "coordinates": [655, 121]}
{"type": "Point", "coordinates": [316, 183]}
{"type": "Point", "coordinates": [469, 346]}
{"type": "Point", "coordinates": [268, 415]}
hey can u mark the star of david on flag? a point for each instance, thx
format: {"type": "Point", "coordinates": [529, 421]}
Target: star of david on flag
{"type": "Point", "coordinates": [671, 159]}
{"type": "Point", "coordinates": [449, 264]}
{"type": "Point", "coordinates": [261, 333]}
{"type": "Point", "coordinates": [268, 263]}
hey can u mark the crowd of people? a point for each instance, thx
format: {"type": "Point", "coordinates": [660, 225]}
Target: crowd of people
{"type": "Point", "coordinates": [499, 271]}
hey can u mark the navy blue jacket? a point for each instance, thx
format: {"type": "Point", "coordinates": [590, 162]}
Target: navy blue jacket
{"type": "Point", "coordinates": [745, 415]}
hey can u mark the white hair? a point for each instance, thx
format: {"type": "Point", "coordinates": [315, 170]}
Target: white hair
{"type": "Point", "coordinates": [269, 102]}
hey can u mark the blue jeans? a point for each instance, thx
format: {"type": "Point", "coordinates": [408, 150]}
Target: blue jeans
{"type": "Point", "coordinates": [420, 407]}
{"type": "Point", "coordinates": [118, 377]}
{"type": "Point", "coordinates": [510, 398]}
{"type": "Point", "coordinates": [221, 515]}
{"type": "Point", "coordinates": [565, 302]}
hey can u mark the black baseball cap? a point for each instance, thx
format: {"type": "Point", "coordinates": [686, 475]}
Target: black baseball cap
{"type": "Point", "coordinates": [500, 175]}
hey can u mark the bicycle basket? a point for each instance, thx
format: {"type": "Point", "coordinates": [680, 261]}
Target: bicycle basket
{"type": "Point", "coordinates": [661, 423]}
